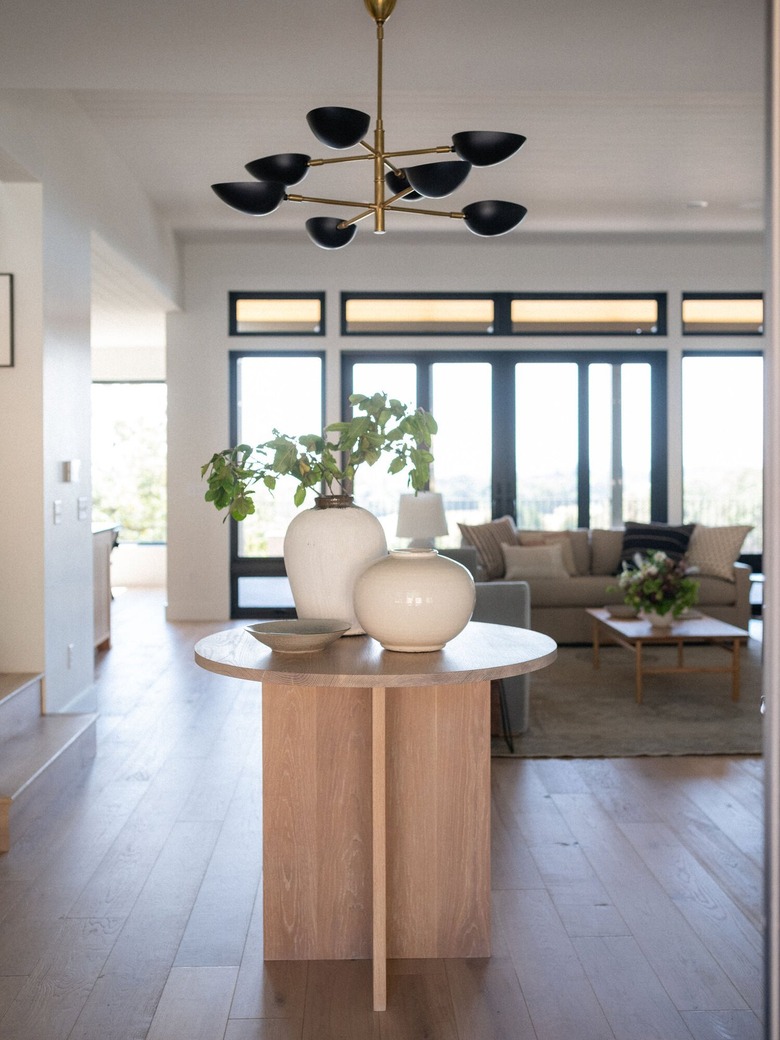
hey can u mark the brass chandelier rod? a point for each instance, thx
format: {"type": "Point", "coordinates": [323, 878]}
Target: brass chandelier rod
{"type": "Point", "coordinates": [342, 128]}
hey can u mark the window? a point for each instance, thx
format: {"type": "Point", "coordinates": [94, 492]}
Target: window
{"type": "Point", "coordinates": [723, 457]}
{"type": "Point", "coordinates": [556, 439]}
{"type": "Point", "coordinates": [276, 314]}
{"type": "Point", "coordinates": [382, 314]}
{"type": "Point", "coordinates": [722, 314]}
{"type": "Point", "coordinates": [503, 314]}
{"type": "Point", "coordinates": [129, 443]}
{"type": "Point", "coordinates": [270, 391]}
{"type": "Point", "coordinates": [589, 315]}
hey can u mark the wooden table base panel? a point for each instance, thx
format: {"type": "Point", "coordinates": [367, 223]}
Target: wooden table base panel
{"type": "Point", "coordinates": [321, 791]}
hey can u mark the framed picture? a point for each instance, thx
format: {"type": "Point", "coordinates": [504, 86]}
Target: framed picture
{"type": "Point", "coordinates": [6, 320]}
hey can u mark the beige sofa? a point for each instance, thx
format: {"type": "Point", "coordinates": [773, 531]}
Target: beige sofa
{"type": "Point", "coordinates": [590, 565]}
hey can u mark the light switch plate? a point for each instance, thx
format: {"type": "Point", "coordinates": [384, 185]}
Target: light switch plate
{"type": "Point", "coordinates": [57, 511]}
{"type": "Point", "coordinates": [83, 507]}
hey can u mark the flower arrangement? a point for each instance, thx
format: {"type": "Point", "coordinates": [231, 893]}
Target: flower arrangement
{"type": "Point", "coordinates": [658, 584]}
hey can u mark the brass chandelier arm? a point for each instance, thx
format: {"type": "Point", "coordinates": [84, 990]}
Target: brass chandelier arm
{"type": "Point", "coordinates": [330, 202]}
{"type": "Point", "coordinates": [427, 212]}
{"type": "Point", "coordinates": [368, 212]}
{"type": "Point", "coordinates": [340, 159]}
{"type": "Point", "coordinates": [438, 150]}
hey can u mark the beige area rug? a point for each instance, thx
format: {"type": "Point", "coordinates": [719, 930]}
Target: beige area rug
{"type": "Point", "coordinates": [580, 712]}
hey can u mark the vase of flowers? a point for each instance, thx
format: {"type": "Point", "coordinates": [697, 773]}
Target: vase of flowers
{"type": "Point", "coordinates": [659, 587]}
{"type": "Point", "coordinates": [327, 547]}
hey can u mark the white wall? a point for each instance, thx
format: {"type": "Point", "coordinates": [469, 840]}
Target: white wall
{"type": "Point", "coordinates": [21, 436]}
{"type": "Point", "coordinates": [82, 189]}
{"type": "Point", "coordinates": [198, 342]}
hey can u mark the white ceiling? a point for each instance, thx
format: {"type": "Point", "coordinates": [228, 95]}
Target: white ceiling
{"type": "Point", "coordinates": [633, 109]}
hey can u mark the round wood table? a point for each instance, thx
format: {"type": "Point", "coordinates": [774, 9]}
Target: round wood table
{"type": "Point", "coordinates": [376, 792]}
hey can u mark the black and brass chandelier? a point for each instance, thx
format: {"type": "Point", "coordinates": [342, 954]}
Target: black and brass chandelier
{"type": "Point", "coordinates": [343, 128]}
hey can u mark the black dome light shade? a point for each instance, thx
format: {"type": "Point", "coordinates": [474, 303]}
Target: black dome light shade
{"type": "Point", "coordinates": [338, 127]}
{"type": "Point", "coordinates": [492, 218]}
{"type": "Point", "coordinates": [486, 147]}
{"type": "Point", "coordinates": [286, 168]}
{"type": "Point", "coordinates": [437, 179]}
{"type": "Point", "coordinates": [397, 182]}
{"type": "Point", "coordinates": [254, 197]}
{"type": "Point", "coordinates": [326, 233]}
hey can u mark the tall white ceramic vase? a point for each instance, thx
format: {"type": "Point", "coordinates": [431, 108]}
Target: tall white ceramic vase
{"type": "Point", "coordinates": [326, 549]}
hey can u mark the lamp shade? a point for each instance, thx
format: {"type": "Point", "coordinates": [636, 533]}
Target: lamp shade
{"type": "Point", "coordinates": [486, 147]}
{"type": "Point", "coordinates": [287, 168]}
{"type": "Point", "coordinates": [492, 217]}
{"type": "Point", "coordinates": [421, 517]}
{"type": "Point", "coordinates": [326, 233]}
{"type": "Point", "coordinates": [397, 182]}
{"type": "Point", "coordinates": [437, 179]}
{"type": "Point", "coordinates": [254, 197]}
{"type": "Point", "coordinates": [338, 127]}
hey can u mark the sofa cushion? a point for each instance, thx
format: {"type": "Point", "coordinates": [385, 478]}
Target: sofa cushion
{"type": "Point", "coordinates": [534, 561]}
{"type": "Point", "coordinates": [591, 590]}
{"type": "Point", "coordinates": [487, 539]}
{"type": "Point", "coordinates": [561, 538]}
{"type": "Point", "coordinates": [644, 538]}
{"type": "Point", "coordinates": [714, 550]}
{"type": "Point", "coordinates": [605, 548]}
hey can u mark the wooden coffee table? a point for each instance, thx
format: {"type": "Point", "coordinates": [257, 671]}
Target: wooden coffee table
{"type": "Point", "coordinates": [634, 634]}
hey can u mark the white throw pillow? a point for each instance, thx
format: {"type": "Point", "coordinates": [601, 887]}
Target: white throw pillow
{"type": "Point", "coordinates": [714, 550]}
{"type": "Point", "coordinates": [534, 561]}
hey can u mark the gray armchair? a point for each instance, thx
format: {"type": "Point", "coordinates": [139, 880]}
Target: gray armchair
{"type": "Point", "coordinates": [502, 603]}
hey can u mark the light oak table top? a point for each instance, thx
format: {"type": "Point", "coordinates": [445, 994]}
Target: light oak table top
{"type": "Point", "coordinates": [480, 653]}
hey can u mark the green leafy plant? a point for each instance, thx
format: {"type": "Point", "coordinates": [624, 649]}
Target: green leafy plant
{"type": "Point", "coordinates": [381, 426]}
{"type": "Point", "coordinates": [658, 584]}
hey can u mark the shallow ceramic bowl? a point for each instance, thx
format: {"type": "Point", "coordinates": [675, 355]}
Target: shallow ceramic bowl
{"type": "Point", "coordinates": [299, 636]}
{"type": "Point", "coordinates": [621, 610]}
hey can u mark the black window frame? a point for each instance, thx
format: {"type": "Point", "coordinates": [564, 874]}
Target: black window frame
{"type": "Point", "coordinates": [235, 296]}
{"type": "Point", "coordinates": [503, 471]}
{"type": "Point", "coordinates": [258, 566]}
{"type": "Point", "coordinates": [690, 295]}
{"type": "Point", "coordinates": [502, 318]}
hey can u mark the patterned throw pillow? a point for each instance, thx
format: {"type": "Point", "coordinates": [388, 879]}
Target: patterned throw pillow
{"type": "Point", "coordinates": [643, 538]}
{"type": "Point", "coordinates": [534, 561]}
{"type": "Point", "coordinates": [487, 539]}
{"type": "Point", "coordinates": [714, 550]}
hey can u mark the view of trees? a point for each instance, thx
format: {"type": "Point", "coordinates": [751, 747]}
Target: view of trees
{"type": "Point", "coordinates": [129, 458]}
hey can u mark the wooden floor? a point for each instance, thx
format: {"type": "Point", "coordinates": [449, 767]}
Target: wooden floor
{"type": "Point", "coordinates": [627, 894]}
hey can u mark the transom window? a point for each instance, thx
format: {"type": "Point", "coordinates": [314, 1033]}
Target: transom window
{"type": "Point", "coordinates": [503, 314]}
{"type": "Point", "coordinates": [722, 314]}
{"type": "Point", "coordinates": [276, 314]}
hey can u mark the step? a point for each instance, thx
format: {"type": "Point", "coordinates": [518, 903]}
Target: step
{"type": "Point", "coordinates": [20, 702]}
{"type": "Point", "coordinates": [37, 764]}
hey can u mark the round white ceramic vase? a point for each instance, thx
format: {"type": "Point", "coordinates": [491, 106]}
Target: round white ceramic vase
{"type": "Point", "coordinates": [325, 550]}
{"type": "Point", "coordinates": [414, 600]}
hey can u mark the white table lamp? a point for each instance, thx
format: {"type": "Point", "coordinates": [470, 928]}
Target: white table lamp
{"type": "Point", "coordinates": [421, 518]}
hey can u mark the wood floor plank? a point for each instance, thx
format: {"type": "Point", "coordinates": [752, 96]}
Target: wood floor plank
{"type": "Point", "coordinates": [125, 997]}
{"type": "Point", "coordinates": [217, 928]}
{"type": "Point", "coordinates": [51, 1001]}
{"type": "Point", "coordinates": [267, 989]}
{"type": "Point", "coordinates": [729, 936]}
{"type": "Point", "coordinates": [339, 1002]}
{"type": "Point", "coordinates": [194, 1004]}
{"type": "Point", "coordinates": [421, 1007]}
{"type": "Point", "coordinates": [678, 956]}
{"type": "Point", "coordinates": [616, 967]}
{"type": "Point", "coordinates": [488, 1001]}
{"type": "Point", "coordinates": [556, 990]}
{"type": "Point", "coordinates": [264, 1029]}
{"type": "Point", "coordinates": [724, 1025]}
